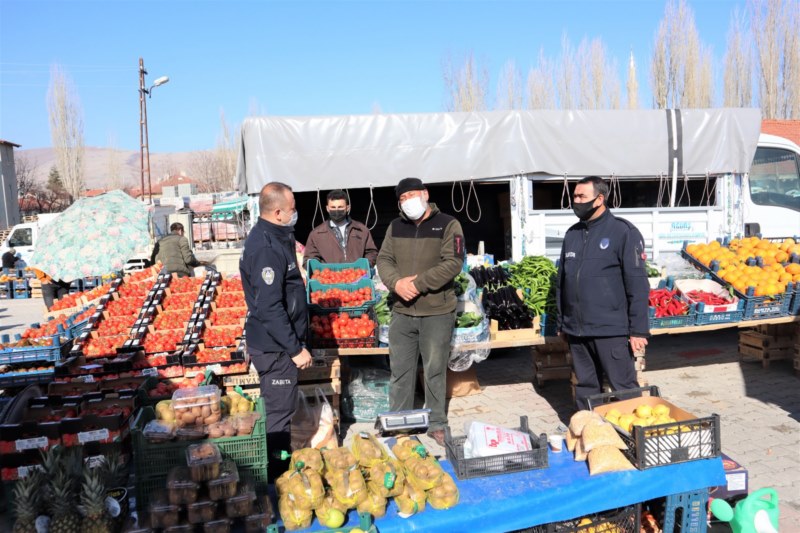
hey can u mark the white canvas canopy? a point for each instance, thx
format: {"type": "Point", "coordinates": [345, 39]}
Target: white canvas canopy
{"type": "Point", "coordinates": [352, 151]}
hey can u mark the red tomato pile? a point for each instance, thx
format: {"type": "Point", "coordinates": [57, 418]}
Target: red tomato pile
{"type": "Point", "coordinates": [125, 306]}
{"type": "Point", "coordinates": [173, 319]}
{"type": "Point", "coordinates": [213, 356]}
{"type": "Point", "coordinates": [130, 290]}
{"type": "Point", "coordinates": [116, 325]}
{"type": "Point", "coordinates": [341, 297]}
{"type": "Point", "coordinates": [104, 346]}
{"type": "Point", "coordinates": [667, 303]}
{"type": "Point", "coordinates": [199, 370]}
{"type": "Point", "coordinates": [181, 285]}
{"type": "Point", "coordinates": [162, 341]}
{"type": "Point", "coordinates": [219, 337]}
{"type": "Point", "coordinates": [230, 299]}
{"type": "Point", "coordinates": [162, 389]}
{"type": "Point", "coordinates": [108, 410]}
{"type": "Point", "coordinates": [233, 284]}
{"type": "Point", "coordinates": [70, 300]}
{"type": "Point", "coordinates": [348, 275]}
{"type": "Point", "coordinates": [182, 300]}
{"type": "Point", "coordinates": [97, 292]}
{"type": "Point", "coordinates": [48, 329]}
{"type": "Point", "coordinates": [228, 316]}
{"type": "Point", "coordinates": [343, 331]}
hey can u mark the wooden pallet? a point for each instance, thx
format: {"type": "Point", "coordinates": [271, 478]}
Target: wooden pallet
{"type": "Point", "coordinates": [765, 355]}
{"type": "Point", "coordinates": [778, 330]}
{"type": "Point", "coordinates": [754, 339]}
{"type": "Point", "coordinates": [549, 360]}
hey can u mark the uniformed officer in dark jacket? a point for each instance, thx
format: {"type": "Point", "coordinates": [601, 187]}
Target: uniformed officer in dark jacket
{"type": "Point", "coordinates": [276, 323]}
{"type": "Point", "coordinates": [602, 294]}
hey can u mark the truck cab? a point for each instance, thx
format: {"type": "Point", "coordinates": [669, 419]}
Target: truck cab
{"type": "Point", "coordinates": [23, 237]}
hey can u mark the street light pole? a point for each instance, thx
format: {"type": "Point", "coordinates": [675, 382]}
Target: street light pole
{"type": "Point", "coordinates": [144, 141]}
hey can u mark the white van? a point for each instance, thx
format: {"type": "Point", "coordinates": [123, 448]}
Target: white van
{"type": "Point", "coordinates": [23, 237]}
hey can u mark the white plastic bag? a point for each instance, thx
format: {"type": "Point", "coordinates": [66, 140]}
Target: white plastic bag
{"type": "Point", "coordinates": [313, 426]}
{"type": "Point", "coordinates": [485, 440]}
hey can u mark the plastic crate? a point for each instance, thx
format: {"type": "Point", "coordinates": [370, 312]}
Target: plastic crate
{"type": "Point", "coordinates": [153, 461]}
{"type": "Point", "coordinates": [26, 378]}
{"type": "Point", "coordinates": [365, 342]}
{"type": "Point", "coordinates": [794, 306]}
{"type": "Point", "coordinates": [702, 319]}
{"type": "Point", "coordinates": [548, 325]}
{"type": "Point", "coordinates": [315, 265]}
{"type": "Point", "coordinates": [758, 307]}
{"type": "Point", "coordinates": [686, 512]}
{"type": "Point", "coordinates": [691, 259]}
{"type": "Point", "coordinates": [622, 520]}
{"type": "Point", "coordinates": [499, 464]}
{"type": "Point", "coordinates": [36, 353]}
{"type": "Point", "coordinates": [314, 285]}
{"type": "Point", "coordinates": [678, 442]}
{"type": "Point", "coordinates": [678, 321]}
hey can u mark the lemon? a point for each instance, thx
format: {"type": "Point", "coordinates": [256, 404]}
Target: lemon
{"type": "Point", "coordinates": [613, 412]}
{"type": "Point", "coordinates": [335, 519]}
{"type": "Point", "coordinates": [644, 411]}
{"type": "Point", "coordinates": [661, 410]}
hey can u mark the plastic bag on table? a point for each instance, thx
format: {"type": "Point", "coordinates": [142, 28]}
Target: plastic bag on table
{"type": "Point", "coordinates": [367, 394]}
{"type": "Point", "coordinates": [468, 290]}
{"type": "Point", "coordinates": [477, 341]}
{"type": "Point", "coordinates": [313, 426]}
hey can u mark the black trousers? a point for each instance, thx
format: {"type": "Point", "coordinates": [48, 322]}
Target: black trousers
{"type": "Point", "coordinates": [278, 378]}
{"type": "Point", "coordinates": [55, 290]}
{"type": "Point", "coordinates": [595, 357]}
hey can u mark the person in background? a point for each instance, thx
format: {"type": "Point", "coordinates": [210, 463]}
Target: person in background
{"type": "Point", "coordinates": [602, 293]}
{"type": "Point", "coordinates": [174, 252]}
{"type": "Point", "coordinates": [277, 319]}
{"type": "Point", "coordinates": [52, 290]}
{"type": "Point", "coordinates": [10, 258]}
{"type": "Point", "coordinates": [340, 239]}
{"type": "Point", "coordinates": [421, 255]}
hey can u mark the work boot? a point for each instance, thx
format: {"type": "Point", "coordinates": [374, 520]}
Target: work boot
{"type": "Point", "coordinates": [437, 435]}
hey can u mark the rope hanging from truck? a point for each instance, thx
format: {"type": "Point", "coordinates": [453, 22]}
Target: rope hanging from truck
{"type": "Point", "coordinates": [686, 191]}
{"type": "Point", "coordinates": [565, 192]}
{"type": "Point", "coordinates": [453, 197]}
{"type": "Point", "coordinates": [709, 191]}
{"type": "Point", "coordinates": [616, 192]}
{"type": "Point", "coordinates": [373, 209]}
{"type": "Point", "coordinates": [317, 207]}
{"type": "Point", "coordinates": [477, 202]}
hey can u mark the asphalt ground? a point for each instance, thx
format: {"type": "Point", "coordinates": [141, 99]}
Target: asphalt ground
{"type": "Point", "coordinates": [700, 372]}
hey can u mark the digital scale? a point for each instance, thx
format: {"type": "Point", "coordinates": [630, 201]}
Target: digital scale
{"type": "Point", "coordinates": [394, 422]}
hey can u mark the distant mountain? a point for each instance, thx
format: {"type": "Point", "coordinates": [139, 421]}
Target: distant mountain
{"type": "Point", "coordinates": [100, 164]}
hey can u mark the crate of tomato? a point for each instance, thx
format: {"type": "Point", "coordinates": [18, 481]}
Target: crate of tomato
{"type": "Point", "coordinates": [667, 309]}
{"type": "Point", "coordinates": [348, 329]}
{"type": "Point", "coordinates": [341, 296]}
{"type": "Point", "coordinates": [712, 303]}
{"type": "Point", "coordinates": [329, 273]}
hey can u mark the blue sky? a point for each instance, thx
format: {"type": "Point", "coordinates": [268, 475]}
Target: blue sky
{"type": "Point", "coordinates": [290, 58]}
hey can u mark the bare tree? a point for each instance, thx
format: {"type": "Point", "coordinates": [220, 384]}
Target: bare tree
{"type": "Point", "coordinates": [26, 168]}
{"type": "Point", "coordinates": [597, 83]}
{"type": "Point", "coordinates": [114, 164]}
{"type": "Point", "coordinates": [509, 87]}
{"type": "Point", "coordinates": [774, 25]}
{"type": "Point", "coordinates": [465, 85]}
{"type": "Point", "coordinates": [738, 71]}
{"type": "Point", "coordinates": [205, 167]}
{"type": "Point", "coordinates": [632, 85]}
{"type": "Point", "coordinates": [680, 64]}
{"type": "Point", "coordinates": [540, 85]}
{"type": "Point", "coordinates": [565, 86]}
{"type": "Point", "coordinates": [66, 130]}
{"type": "Point", "coordinates": [226, 154]}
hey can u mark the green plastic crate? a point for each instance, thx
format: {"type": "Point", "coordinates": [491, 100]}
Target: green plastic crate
{"type": "Point", "coordinates": [314, 285]}
{"type": "Point", "coordinates": [153, 461]}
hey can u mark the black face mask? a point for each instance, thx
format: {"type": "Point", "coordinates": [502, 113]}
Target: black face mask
{"type": "Point", "coordinates": [337, 215]}
{"type": "Point", "coordinates": [585, 210]}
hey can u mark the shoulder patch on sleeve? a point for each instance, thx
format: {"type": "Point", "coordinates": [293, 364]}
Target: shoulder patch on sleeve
{"type": "Point", "coordinates": [458, 245]}
{"type": "Point", "coordinates": [268, 275]}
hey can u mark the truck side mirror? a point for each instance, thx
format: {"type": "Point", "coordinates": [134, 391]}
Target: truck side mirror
{"type": "Point", "coordinates": [751, 229]}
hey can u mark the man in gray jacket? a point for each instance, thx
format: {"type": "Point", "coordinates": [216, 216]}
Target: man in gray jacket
{"type": "Point", "coordinates": [174, 252]}
{"type": "Point", "coordinates": [421, 255]}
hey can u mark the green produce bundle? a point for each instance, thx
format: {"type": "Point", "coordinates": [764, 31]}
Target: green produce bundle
{"type": "Point", "coordinates": [536, 276]}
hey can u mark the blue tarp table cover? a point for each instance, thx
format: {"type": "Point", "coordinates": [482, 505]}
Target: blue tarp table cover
{"type": "Point", "coordinates": [563, 491]}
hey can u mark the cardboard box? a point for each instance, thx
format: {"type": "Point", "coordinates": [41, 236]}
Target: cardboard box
{"type": "Point", "coordinates": [462, 383]}
{"type": "Point", "coordinates": [737, 480]}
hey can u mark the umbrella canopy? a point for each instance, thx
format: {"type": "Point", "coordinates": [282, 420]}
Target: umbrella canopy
{"type": "Point", "coordinates": [94, 236]}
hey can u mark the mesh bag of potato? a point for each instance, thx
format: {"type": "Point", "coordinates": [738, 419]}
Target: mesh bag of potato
{"type": "Point", "coordinates": [308, 458]}
{"type": "Point", "coordinates": [373, 503]}
{"type": "Point", "coordinates": [368, 451]}
{"type": "Point", "coordinates": [387, 479]}
{"type": "Point", "coordinates": [411, 501]}
{"type": "Point", "coordinates": [423, 473]}
{"type": "Point", "coordinates": [304, 489]}
{"type": "Point", "coordinates": [293, 517]}
{"type": "Point", "coordinates": [407, 447]}
{"type": "Point", "coordinates": [339, 459]}
{"type": "Point", "coordinates": [347, 486]}
{"type": "Point", "coordinates": [445, 495]}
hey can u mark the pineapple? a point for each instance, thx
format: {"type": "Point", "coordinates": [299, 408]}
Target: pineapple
{"type": "Point", "coordinates": [26, 503]}
{"type": "Point", "coordinates": [63, 518]}
{"type": "Point", "coordinates": [114, 471]}
{"type": "Point", "coordinates": [93, 500]}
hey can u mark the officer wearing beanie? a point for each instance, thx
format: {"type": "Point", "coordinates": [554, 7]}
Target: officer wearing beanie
{"type": "Point", "coordinates": [421, 255]}
{"type": "Point", "coordinates": [602, 293]}
{"type": "Point", "coordinates": [340, 239]}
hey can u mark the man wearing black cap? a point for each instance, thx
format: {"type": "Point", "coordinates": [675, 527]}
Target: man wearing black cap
{"type": "Point", "coordinates": [421, 255]}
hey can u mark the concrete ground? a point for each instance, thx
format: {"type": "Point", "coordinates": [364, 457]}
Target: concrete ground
{"type": "Point", "coordinates": [700, 372]}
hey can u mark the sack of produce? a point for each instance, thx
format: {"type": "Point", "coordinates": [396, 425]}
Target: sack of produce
{"type": "Point", "coordinates": [423, 473]}
{"type": "Point", "coordinates": [387, 479]}
{"type": "Point", "coordinates": [580, 453]}
{"type": "Point", "coordinates": [374, 504]}
{"type": "Point", "coordinates": [485, 440]}
{"type": "Point", "coordinates": [607, 459]}
{"type": "Point", "coordinates": [411, 501]}
{"type": "Point", "coordinates": [347, 486]}
{"type": "Point", "coordinates": [471, 328]}
{"type": "Point", "coordinates": [407, 447]}
{"type": "Point", "coordinates": [307, 458]}
{"type": "Point", "coordinates": [305, 489]}
{"type": "Point", "coordinates": [580, 419]}
{"type": "Point", "coordinates": [368, 450]}
{"type": "Point", "coordinates": [597, 435]}
{"type": "Point", "coordinates": [572, 440]}
{"type": "Point", "coordinates": [293, 517]}
{"type": "Point", "coordinates": [445, 495]}
{"type": "Point", "coordinates": [331, 513]}
{"type": "Point", "coordinates": [339, 459]}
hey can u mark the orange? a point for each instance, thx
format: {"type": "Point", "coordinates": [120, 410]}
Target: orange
{"type": "Point", "coordinates": [793, 268]}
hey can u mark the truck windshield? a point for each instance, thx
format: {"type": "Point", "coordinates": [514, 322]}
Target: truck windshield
{"type": "Point", "coordinates": [21, 237]}
{"type": "Point", "coordinates": [775, 178]}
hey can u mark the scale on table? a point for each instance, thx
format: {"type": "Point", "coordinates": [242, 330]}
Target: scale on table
{"type": "Point", "coordinates": [394, 422]}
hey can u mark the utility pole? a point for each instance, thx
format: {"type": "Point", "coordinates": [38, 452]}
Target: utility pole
{"type": "Point", "coordinates": [143, 137]}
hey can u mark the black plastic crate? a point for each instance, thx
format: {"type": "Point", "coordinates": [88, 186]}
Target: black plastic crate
{"type": "Point", "coordinates": [316, 341]}
{"type": "Point", "coordinates": [664, 444]}
{"type": "Point", "coordinates": [498, 464]}
{"type": "Point", "coordinates": [622, 520]}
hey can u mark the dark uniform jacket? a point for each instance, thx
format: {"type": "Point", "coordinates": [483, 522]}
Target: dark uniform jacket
{"type": "Point", "coordinates": [603, 289]}
{"type": "Point", "coordinates": [274, 290]}
{"type": "Point", "coordinates": [324, 245]}
{"type": "Point", "coordinates": [434, 251]}
{"type": "Point", "coordinates": [175, 254]}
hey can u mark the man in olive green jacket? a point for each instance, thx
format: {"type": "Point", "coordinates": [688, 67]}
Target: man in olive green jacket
{"type": "Point", "coordinates": [174, 252]}
{"type": "Point", "coordinates": [421, 255]}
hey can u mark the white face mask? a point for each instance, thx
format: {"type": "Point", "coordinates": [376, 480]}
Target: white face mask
{"type": "Point", "coordinates": [293, 220]}
{"type": "Point", "coordinates": [414, 207]}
